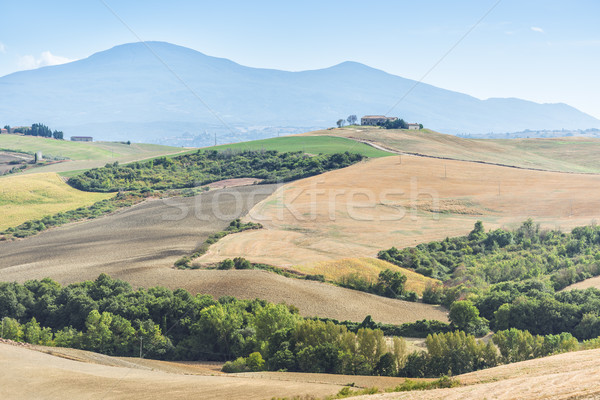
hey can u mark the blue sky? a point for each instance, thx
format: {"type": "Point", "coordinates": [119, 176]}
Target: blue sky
{"type": "Point", "coordinates": [545, 51]}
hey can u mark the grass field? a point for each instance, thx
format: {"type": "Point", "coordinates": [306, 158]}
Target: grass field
{"type": "Point", "coordinates": [307, 144]}
{"type": "Point", "coordinates": [25, 197]}
{"type": "Point", "coordinates": [559, 154]}
{"type": "Point", "coordinates": [402, 201]}
{"type": "Point", "coordinates": [366, 267]}
{"type": "Point", "coordinates": [82, 155]}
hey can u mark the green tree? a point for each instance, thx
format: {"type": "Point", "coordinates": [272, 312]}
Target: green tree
{"type": "Point", "coordinates": [98, 336]}
{"type": "Point", "coordinates": [463, 314]}
{"type": "Point", "coordinates": [255, 362]}
{"type": "Point", "coordinates": [33, 333]}
{"type": "Point", "coordinates": [11, 329]}
{"type": "Point", "coordinates": [390, 283]}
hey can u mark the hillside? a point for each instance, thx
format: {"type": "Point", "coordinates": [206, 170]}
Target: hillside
{"type": "Point", "coordinates": [307, 144]}
{"type": "Point", "coordinates": [572, 154]}
{"type": "Point", "coordinates": [366, 267]}
{"type": "Point", "coordinates": [564, 376]}
{"type": "Point", "coordinates": [403, 201]}
{"type": "Point", "coordinates": [82, 155]}
{"type": "Point", "coordinates": [77, 374]}
{"type": "Point", "coordinates": [140, 245]}
{"type": "Point", "coordinates": [31, 374]}
{"type": "Point", "coordinates": [94, 96]}
{"type": "Point", "coordinates": [27, 197]}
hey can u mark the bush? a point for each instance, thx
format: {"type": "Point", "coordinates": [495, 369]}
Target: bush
{"type": "Point", "coordinates": [255, 362]}
{"type": "Point", "coordinates": [226, 264]}
{"type": "Point", "coordinates": [239, 365]}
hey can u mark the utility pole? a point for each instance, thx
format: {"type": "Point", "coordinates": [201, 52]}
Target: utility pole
{"type": "Point", "coordinates": [141, 340]}
{"type": "Point", "coordinates": [215, 138]}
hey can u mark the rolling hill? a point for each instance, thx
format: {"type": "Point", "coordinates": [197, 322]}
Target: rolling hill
{"type": "Point", "coordinates": [127, 93]}
{"type": "Point", "coordinates": [140, 245]}
{"type": "Point", "coordinates": [82, 155]}
{"type": "Point", "coordinates": [566, 154]}
{"type": "Point", "coordinates": [403, 201]}
{"type": "Point", "coordinates": [27, 197]}
{"type": "Point", "coordinates": [56, 373]}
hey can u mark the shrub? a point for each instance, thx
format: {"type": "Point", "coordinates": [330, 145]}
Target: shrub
{"type": "Point", "coordinates": [226, 264]}
{"type": "Point", "coordinates": [239, 365]}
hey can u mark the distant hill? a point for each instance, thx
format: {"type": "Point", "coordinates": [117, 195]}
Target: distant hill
{"type": "Point", "coordinates": [126, 93]}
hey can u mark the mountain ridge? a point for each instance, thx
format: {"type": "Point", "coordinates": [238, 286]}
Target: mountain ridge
{"type": "Point", "coordinates": [149, 86]}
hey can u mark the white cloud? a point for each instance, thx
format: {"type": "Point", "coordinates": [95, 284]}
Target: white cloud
{"type": "Point", "coordinates": [2, 48]}
{"type": "Point", "coordinates": [45, 59]}
{"type": "Point", "coordinates": [537, 29]}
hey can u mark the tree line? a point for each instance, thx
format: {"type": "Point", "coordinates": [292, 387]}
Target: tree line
{"type": "Point", "coordinates": [36, 130]}
{"type": "Point", "coordinates": [203, 167]}
{"type": "Point", "coordinates": [513, 278]}
{"type": "Point", "coordinates": [108, 316]}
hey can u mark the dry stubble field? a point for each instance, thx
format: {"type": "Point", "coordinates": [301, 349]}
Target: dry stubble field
{"type": "Point", "coordinates": [53, 373]}
{"type": "Point", "coordinates": [571, 154]}
{"type": "Point", "coordinates": [402, 201]}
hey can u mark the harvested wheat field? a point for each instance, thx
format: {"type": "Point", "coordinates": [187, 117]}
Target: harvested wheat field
{"type": "Point", "coordinates": [31, 374]}
{"type": "Point", "coordinates": [402, 201]}
{"type": "Point", "coordinates": [569, 154]}
{"type": "Point", "coordinates": [368, 268]}
{"type": "Point", "coordinates": [141, 243]}
{"type": "Point", "coordinates": [564, 376]}
{"type": "Point", "coordinates": [586, 284]}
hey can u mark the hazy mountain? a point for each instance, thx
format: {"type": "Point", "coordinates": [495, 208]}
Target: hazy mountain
{"type": "Point", "coordinates": [127, 93]}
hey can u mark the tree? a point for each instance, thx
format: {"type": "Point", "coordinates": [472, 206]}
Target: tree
{"type": "Point", "coordinates": [11, 329]}
{"type": "Point", "coordinates": [340, 123]}
{"type": "Point", "coordinates": [390, 284]}
{"type": "Point", "coordinates": [462, 314]}
{"type": "Point", "coordinates": [352, 119]}
{"type": "Point", "coordinates": [58, 135]}
{"type": "Point", "coordinates": [7, 127]}
{"type": "Point", "coordinates": [255, 362]}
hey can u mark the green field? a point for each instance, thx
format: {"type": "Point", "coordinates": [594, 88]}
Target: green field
{"type": "Point", "coordinates": [78, 150]}
{"type": "Point", "coordinates": [82, 155]}
{"type": "Point", "coordinates": [307, 144]}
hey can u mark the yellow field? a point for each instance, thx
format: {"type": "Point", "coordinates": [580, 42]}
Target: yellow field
{"type": "Point", "coordinates": [402, 201]}
{"type": "Point", "coordinates": [366, 267]}
{"type": "Point", "coordinates": [26, 197]}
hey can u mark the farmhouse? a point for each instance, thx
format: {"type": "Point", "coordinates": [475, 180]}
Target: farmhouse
{"type": "Point", "coordinates": [413, 127]}
{"type": "Point", "coordinates": [2, 130]}
{"type": "Point", "coordinates": [375, 120]}
{"type": "Point", "coordinates": [82, 139]}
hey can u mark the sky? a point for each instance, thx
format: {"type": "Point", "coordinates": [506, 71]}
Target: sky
{"type": "Point", "coordinates": [544, 51]}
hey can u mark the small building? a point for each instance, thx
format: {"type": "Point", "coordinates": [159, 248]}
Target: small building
{"type": "Point", "coordinates": [413, 127]}
{"type": "Point", "coordinates": [82, 139]}
{"type": "Point", "coordinates": [375, 120]}
{"type": "Point", "coordinates": [2, 130]}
